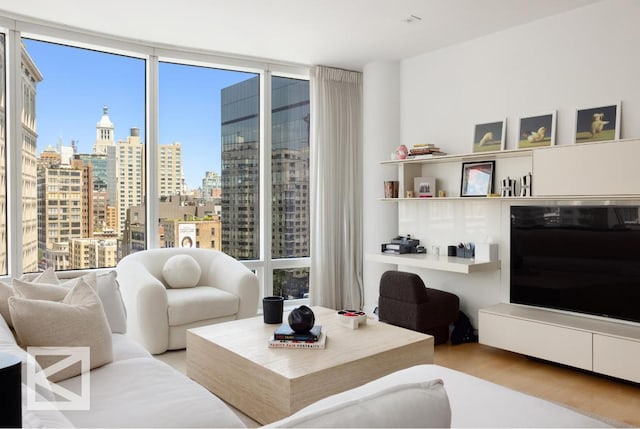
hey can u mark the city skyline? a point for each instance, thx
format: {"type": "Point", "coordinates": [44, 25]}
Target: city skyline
{"type": "Point", "coordinates": [71, 99]}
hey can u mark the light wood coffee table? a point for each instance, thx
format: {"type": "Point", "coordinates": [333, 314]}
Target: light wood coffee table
{"type": "Point", "coordinates": [233, 361]}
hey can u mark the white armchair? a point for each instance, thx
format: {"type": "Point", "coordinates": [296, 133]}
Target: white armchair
{"type": "Point", "coordinates": [159, 315]}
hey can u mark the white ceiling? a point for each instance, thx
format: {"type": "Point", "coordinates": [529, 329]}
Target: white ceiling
{"type": "Point", "coordinates": [338, 33]}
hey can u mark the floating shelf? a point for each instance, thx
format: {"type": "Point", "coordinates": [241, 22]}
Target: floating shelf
{"type": "Point", "coordinates": [512, 153]}
{"type": "Point", "coordinates": [434, 262]}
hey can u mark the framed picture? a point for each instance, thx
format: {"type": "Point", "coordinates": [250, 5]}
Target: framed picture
{"type": "Point", "coordinates": [424, 187]}
{"type": "Point", "coordinates": [489, 136]}
{"type": "Point", "coordinates": [595, 124]}
{"type": "Point", "coordinates": [477, 178]}
{"type": "Point", "coordinates": [537, 131]}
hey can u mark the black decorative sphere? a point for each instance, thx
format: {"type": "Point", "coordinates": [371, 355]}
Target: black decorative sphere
{"type": "Point", "coordinates": [301, 319]}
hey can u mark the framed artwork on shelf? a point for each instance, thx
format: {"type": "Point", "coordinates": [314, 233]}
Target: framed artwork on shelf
{"type": "Point", "coordinates": [489, 137]}
{"type": "Point", "coordinates": [424, 187]}
{"type": "Point", "coordinates": [537, 131]}
{"type": "Point", "coordinates": [477, 178]}
{"type": "Point", "coordinates": [595, 124]}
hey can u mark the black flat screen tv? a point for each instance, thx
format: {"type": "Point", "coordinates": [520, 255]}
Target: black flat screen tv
{"type": "Point", "coordinates": [583, 259]}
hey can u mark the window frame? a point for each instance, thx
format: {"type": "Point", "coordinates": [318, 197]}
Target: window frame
{"type": "Point", "coordinates": [152, 54]}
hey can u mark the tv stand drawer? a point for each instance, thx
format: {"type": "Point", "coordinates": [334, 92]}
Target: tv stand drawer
{"type": "Point", "coordinates": [596, 345]}
{"type": "Point", "coordinates": [617, 357]}
{"type": "Point", "coordinates": [532, 338]}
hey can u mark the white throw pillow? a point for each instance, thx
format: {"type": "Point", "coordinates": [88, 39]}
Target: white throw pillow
{"type": "Point", "coordinates": [5, 292]}
{"type": "Point", "coordinates": [47, 276]}
{"type": "Point", "coordinates": [77, 321]}
{"type": "Point", "coordinates": [109, 293]}
{"type": "Point", "coordinates": [43, 291]}
{"type": "Point", "coordinates": [181, 271]}
{"type": "Point", "coordinates": [423, 404]}
{"type": "Point", "coordinates": [104, 284]}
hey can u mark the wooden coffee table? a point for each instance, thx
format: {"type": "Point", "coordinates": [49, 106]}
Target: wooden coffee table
{"type": "Point", "coordinates": [233, 361]}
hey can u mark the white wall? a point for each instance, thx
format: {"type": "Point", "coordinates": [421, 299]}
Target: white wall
{"type": "Point", "coordinates": [381, 135]}
{"type": "Point", "coordinates": [583, 58]}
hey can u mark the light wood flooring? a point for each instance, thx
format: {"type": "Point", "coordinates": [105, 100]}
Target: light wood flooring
{"type": "Point", "coordinates": [587, 392]}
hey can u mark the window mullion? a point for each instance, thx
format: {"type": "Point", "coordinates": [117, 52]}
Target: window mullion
{"type": "Point", "coordinates": [151, 153]}
{"type": "Point", "coordinates": [14, 151]}
{"type": "Point", "coordinates": [265, 181]}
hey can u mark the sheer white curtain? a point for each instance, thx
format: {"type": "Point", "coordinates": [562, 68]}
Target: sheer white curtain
{"type": "Point", "coordinates": [336, 189]}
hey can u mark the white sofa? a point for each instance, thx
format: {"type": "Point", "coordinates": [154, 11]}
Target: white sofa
{"type": "Point", "coordinates": [137, 390]}
{"type": "Point", "coordinates": [159, 314]}
{"type": "Point", "coordinates": [471, 401]}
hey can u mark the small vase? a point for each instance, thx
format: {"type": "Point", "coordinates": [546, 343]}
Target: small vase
{"type": "Point", "coordinates": [301, 319]}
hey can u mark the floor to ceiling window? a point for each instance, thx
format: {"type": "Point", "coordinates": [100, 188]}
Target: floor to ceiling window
{"type": "Point", "coordinates": [290, 183]}
{"type": "Point", "coordinates": [111, 133]}
{"type": "Point", "coordinates": [209, 159]}
{"type": "Point", "coordinates": [83, 156]}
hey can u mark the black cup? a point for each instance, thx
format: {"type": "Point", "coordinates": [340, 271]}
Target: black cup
{"type": "Point", "coordinates": [451, 250]}
{"type": "Point", "coordinates": [272, 309]}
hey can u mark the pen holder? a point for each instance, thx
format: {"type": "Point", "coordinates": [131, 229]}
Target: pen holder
{"type": "Point", "coordinates": [465, 252]}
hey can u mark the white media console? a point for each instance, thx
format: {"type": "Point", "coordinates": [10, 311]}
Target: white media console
{"type": "Point", "coordinates": [601, 346]}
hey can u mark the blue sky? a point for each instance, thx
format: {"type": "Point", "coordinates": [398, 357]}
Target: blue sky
{"type": "Point", "coordinates": [77, 83]}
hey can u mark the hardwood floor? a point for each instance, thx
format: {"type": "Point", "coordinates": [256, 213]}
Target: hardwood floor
{"type": "Point", "coordinates": [588, 392]}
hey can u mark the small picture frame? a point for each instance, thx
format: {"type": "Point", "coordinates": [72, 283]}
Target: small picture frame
{"type": "Point", "coordinates": [537, 131]}
{"type": "Point", "coordinates": [477, 178]}
{"type": "Point", "coordinates": [489, 137]}
{"type": "Point", "coordinates": [424, 187]}
{"type": "Point", "coordinates": [594, 124]}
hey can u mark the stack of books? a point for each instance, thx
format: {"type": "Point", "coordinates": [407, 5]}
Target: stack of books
{"type": "Point", "coordinates": [427, 150]}
{"type": "Point", "coordinates": [286, 338]}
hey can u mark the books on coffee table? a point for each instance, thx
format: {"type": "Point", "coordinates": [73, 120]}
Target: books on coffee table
{"type": "Point", "coordinates": [284, 332]}
{"type": "Point", "coordinates": [299, 344]}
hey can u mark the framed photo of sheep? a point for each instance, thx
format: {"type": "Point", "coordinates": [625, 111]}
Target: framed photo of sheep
{"type": "Point", "coordinates": [537, 131]}
{"type": "Point", "coordinates": [595, 124]}
{"type": "Point", "coordinates": [490, 136]}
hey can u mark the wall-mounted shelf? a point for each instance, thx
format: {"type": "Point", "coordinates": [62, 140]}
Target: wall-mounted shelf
{"type": "Point", "coordinates": [434, 262]}
{"type": "Point", "coordinates": [496, 154]}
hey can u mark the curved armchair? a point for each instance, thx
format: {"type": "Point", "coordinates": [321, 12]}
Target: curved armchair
{"type": "Point", "coordinates": [158, 315]}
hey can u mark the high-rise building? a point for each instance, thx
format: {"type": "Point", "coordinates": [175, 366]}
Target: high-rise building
{"type": "Point", "coordinates": [211, 185]}
{"type": "Point", "coordinates": [104, 133]}
{"type": "Point", "coordinates": [170, 178]}
{"type": "Point", "coordinates": [289, 168]}
{"type": "Point", "coordinates": [61, 201]}
{"type": "Point", "coordinates": [104, 185]}
{"type": "Point", "coordinates": [103, 161]}
{"type": "Point", "coordinates": [240, 114]}
{"type": "Point", "coordinates": [131, 173]}
{"type": "Point", "coordinates": [86, 217]}
{"type": "Point", "coordinates": [31, 76]}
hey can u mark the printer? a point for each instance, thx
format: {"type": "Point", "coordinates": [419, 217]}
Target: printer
{"type": "Point", "coordinates": [400, 245]}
